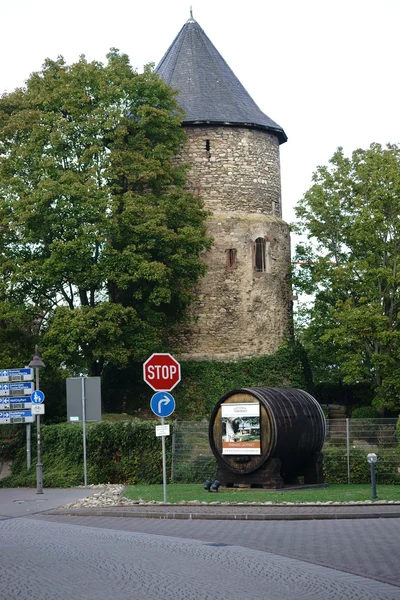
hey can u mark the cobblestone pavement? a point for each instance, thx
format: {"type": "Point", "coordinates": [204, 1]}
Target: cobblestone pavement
{"type": "Point", "coordinates": [370, 548]}
{"type": "Point", "coordinates": [59, 561]}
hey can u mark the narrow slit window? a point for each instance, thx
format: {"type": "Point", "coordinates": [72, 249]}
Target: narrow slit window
{"type": "Point", "coordinates": [260, 263]}
{"type": "Point", "coordinates": [231, 259]}
{"type": "Point", "coordinates": [208, 146]}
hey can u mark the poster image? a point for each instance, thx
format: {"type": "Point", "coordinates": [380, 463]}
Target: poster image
{"type": "Point", "coordinates": [241, 428]}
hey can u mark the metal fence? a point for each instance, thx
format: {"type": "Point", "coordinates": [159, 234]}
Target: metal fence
{"type": "Point", "coordinates": [348, 441]}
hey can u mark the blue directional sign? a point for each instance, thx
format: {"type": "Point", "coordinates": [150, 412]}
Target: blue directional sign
{"type": "Point", "coordinates": [22, 388]}
{"type": "Point", "coordinates": [16, 416]}
{"type": "Point", "coordinates": [37, 397]}
{"type": "Point", "coordinates": [162, 404]}
{"type": "Point", "coordinates": [24, 374]}
{"type": "Point", "coordinates": [7, 403]}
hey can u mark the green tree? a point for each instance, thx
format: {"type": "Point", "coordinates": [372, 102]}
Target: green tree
{"type": "Point", "coordinates": [351, 265]}
{"type": "Point", "coordinates": [100, 241]}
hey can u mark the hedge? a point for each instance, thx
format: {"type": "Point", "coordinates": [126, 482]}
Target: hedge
{"type": "Point", "coordinates": [335, 465]}
{"type": "Point", "coordinates": [126, 452]}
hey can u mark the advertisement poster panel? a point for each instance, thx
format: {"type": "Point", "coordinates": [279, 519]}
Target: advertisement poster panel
{"type": "Point", "coordinates": [241, 428]}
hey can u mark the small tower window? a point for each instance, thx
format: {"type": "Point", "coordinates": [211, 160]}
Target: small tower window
{"type": "Point", "coordinates": [231, 259]}
{"type": "Point", "coordinates": [261, 256]}
{"type": "Point", "coordinates": [208, 146]}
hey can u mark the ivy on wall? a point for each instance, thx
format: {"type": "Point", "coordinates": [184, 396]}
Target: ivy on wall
{"type": "Point", "coordinates": [205, 382]}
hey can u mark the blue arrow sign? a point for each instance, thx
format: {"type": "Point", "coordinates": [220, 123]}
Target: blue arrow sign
{"type": "Point", "coordinates": [25, 374]}
{"type": "Point", "coordinates": [19, 414]}
{"type": "Point", "coordinates": [13, 400]}
{"type": "Point", "coordinates": [37, 397]}
{"type": "Point", "coordinates": [8, 403]}
{"type": "Point", "coordinates": [16, 389]}
{"type": "Point", "coordinates": [16, 416]}
{"type": "Point", "coordinates": [162, 404]}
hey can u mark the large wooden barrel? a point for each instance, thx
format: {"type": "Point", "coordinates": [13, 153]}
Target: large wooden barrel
{"type": "Point", "coordinates": [291, 427]}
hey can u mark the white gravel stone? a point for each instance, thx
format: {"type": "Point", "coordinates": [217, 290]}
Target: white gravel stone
{"type": "Point", "coordinates": [111, 495]}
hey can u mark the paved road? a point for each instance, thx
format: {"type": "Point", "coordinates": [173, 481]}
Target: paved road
{"type": "Point", "coordinates": [96, 558]}
{"type": "Point", "coordinates": [18, 502]}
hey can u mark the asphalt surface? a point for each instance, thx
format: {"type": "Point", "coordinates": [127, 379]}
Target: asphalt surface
{"type": "Point", "coordinates": [49, 553]}
{"type": "Point", "coordinates": [20, 502]}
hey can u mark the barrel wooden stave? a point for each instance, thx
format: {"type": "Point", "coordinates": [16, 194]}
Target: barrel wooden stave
{"type": "Point", "coordinates": [292, 428]}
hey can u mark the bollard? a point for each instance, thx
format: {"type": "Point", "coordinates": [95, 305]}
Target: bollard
{"type": "Point", "coordinates": [372, 458]}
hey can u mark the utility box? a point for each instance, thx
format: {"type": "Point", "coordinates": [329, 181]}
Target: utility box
{"type": "Point", "coordinates": [90, 389]}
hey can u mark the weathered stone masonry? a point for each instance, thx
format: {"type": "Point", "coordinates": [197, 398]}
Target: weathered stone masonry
{"type": "Point", "coordinates": [238, 313]}
{"type": "Point", "coordinates": [240, 172]}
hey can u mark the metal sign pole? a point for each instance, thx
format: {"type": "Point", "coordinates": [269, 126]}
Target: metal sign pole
{"type": "Point", "coordinates": [37, 363]}
{"type": "Point", "coordinates": [39, 466]}
{"type": "Point", "coordinates": [84, 432]}
{"type": "Point", "coordinates": [348, 448]}
{"type": "Point", "coordinates": [164, 465]}
{"type": "Point", "coordinates": [28, 446]}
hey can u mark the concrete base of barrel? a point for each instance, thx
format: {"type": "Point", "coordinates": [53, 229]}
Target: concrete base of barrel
{"type": "Point", "coordinates": [271, 476]}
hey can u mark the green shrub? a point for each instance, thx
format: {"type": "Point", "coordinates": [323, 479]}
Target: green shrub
{"type": "Point", "coordinates": [365, 426]}
{"type": "Point", "coordinates": [335, 465]}
{"type": "Point", "coordinates": [365, 412]}
{"type": "Point", "coordinates": [124, 452]}
{"type": "Point", "coordinates": [196, 470]}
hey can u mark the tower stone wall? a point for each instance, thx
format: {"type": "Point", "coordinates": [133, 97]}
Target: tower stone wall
{"type": "Point", "coordinates": [238, 312]}
{"type": "Point", "coordinates": [240, 172]}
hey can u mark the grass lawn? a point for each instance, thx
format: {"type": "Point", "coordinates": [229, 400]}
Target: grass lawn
{"type": "Point", "coordinates": [335, 493]}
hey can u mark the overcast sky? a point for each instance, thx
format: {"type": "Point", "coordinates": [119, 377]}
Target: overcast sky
{"type": "Point", "coordinates": [326, 71]}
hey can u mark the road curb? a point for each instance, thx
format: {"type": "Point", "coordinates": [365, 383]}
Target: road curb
{"type": "Point", "coordinates": [284, 516]}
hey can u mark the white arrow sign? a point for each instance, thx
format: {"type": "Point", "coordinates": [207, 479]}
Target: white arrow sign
{"type": "Point", "coordinates": [163, 402]}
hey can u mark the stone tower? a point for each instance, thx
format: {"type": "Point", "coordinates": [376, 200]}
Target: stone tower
{"type": "Point", "coordinates": [242, 306]}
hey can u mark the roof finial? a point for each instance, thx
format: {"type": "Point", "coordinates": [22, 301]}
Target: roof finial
{"type": "Point", "coordinates": [191, 19]}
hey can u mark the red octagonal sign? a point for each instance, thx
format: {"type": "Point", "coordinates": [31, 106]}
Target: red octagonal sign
{"type": "Point", "coordinates": [162, 372]}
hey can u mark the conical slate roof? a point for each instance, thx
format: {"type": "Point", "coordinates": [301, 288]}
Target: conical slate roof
{"type": "Point", "coordinates": [209, 91]}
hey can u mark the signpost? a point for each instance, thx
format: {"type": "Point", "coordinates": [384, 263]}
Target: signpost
{"type": "Point", "coordinates": [162, 372]}
{"type": "Point", "coordinates": [83, 404]}
{"type": "Point", "coordinates": [16, 386]}
{"type": "Point", "coordinates": [17, 416]}
{"type": "Point", "coordinates": [162, 404]}
{"type": "Point", "coordinates": [37, 397]}
{"type": "Point", "coordinates": [17, 402]}
{"type": "Point", "coordinates": [24, 374]}
{"type": "Point", "coordinates": [21, 388]}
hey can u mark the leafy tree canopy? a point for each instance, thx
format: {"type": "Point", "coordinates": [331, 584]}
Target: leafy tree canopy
{"type": "Point", "coordinates": [99, 241]}
{"type": "Point", "coordinates": [351, 264]}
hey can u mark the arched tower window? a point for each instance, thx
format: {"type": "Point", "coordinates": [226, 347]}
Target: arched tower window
{"type": "Point", "coordinates": [261, 256]}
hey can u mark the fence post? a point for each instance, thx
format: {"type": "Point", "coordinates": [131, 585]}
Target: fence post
{"type": "Point", "coordinates": [348, 448]}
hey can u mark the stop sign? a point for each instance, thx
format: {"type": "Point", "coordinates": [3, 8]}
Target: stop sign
{"type": "Point", "coordinates": [162, 372]}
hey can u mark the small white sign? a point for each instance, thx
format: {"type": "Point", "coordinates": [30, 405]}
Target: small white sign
{"type": "Point", "coordinates": [162, 430]}
{"type": "Point", "coordinates": [37, 409]}
{"type": "Point", "coordinates": [74, 418]}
